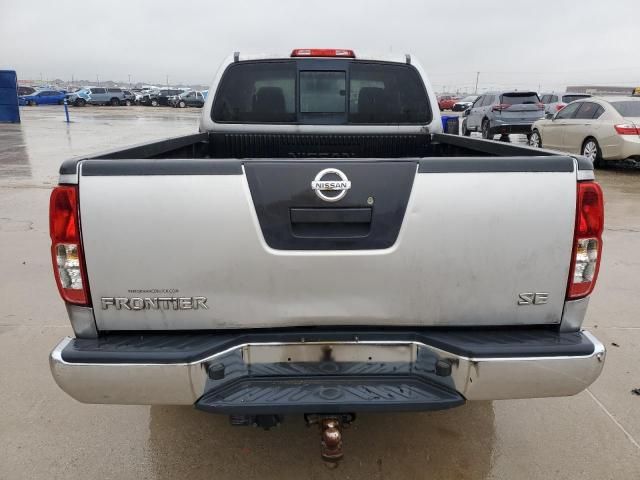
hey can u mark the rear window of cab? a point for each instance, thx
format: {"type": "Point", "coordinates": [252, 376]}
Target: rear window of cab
{"type": "Point", "coordinates": [312, 91]}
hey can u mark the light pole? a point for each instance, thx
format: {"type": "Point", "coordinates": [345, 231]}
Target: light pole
{"type": "Point", "coordinates": [477, 77]}
{"type": "Point", "coordinates": [129, 80]}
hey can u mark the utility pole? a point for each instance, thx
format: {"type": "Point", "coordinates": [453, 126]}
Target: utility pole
{"type": "Point", "coordinates": [477, 77]}
{"type": "Point", "coordinates": [97, 80]}
{"type": "Point", "coordinates": [167, 81]}
{"type": "Point", "coordinates": [129, 80]}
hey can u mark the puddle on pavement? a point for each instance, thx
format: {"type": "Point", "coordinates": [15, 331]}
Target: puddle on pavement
{"type": "Point", "coordinates": [14, 158]}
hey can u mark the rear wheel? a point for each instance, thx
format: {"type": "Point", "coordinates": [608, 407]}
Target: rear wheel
{"type": "Point", "coordinates": [591, 150]}
{"type": "Point", "coordinates": [465, 131]}
{"type": "Point", "coordinates": [182, 104]}
{"type": "Point", "coordinates": [154, 103]}
{"type": "Point", "coordinates": [31, 103]}
{"type": "Point", "coordinates": [127, 103]}
{"type": "Point", "coordinates": [115, 102]}
{"type": "Point", "coordinates": [535, 140]}
{"type": "Point", "coordinates": [486, 130]}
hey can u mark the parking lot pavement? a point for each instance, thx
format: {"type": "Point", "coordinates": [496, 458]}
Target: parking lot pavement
{"type": "Point", "coordinates": [46, 434]}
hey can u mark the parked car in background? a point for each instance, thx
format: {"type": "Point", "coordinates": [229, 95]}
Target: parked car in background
{"type": "Point", "coordinates": [462, 105]}
{"type": "Point", "coordinates": [80, 97]}
{"type": "Point", "coordinates": [106, 96]}
{"type": "Point", "coordinates": [446, 102]}
{"type": "Point", "coordinates": [149, 98]}
{"type": "Point", "coordinates": [160, 97]}
{"type": "Point", "coordinates": [188, 99]}
{"type": "Point", "coordinates": [43, 97]}
{"type": "Point", "coordinates": [503, 113]}
{"type": "Point", "coordinates": [26, 90]}
{"type": "Point", "coordinates": [129, 97]}
{"type": "Point", "coordinates": [554, 102]}
{"type": "Point", "coordinates": [636, 92]}
{"type": "Point", "coordinates": [140, 95]}
{"type": "Point", "coordinates": [598, 128]}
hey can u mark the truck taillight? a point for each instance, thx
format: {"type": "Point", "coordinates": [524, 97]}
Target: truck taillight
{"type": "Point", "coordinates": [323, 52]}
{"type": "Point", "coordinates": [66, 246]}
{"type": "Point", "coordinates": [587, 240]}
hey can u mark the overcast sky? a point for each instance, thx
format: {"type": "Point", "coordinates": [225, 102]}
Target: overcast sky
{"type": "Point", "coordinates": [515, 44]}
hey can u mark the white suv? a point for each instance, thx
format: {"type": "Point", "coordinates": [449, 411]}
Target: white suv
{"type": "Point", "coordinates": [554, 101]}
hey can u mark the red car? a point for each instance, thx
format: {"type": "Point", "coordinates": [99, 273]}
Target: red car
{"type": "Point", "coordinates": [446, 102]}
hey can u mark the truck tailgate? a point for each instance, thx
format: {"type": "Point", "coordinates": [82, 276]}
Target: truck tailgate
{"type": "Point", "coordinates": [423, 242]}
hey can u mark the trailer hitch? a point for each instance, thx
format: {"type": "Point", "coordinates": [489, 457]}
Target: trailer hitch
{"type": "Point", "coordinates": [331, 434]}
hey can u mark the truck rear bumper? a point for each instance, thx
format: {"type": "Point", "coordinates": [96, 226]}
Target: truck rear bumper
{"type": "Point", "coordinates": [315, 371]}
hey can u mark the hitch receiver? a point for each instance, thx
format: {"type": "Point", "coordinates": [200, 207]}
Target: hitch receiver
{"type": "Point", "coordinates": [331, 435]}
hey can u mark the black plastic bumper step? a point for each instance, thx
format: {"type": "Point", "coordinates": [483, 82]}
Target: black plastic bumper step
{"type": "Point", "coordinates": [260, 396]}
{"type": "Point", "coordinates": [190, 347]}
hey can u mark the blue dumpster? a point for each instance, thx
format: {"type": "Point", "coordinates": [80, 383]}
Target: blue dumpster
{"type": "Point", "coordinates": [451, 124]}
{"type": "Point", "coordinates": [9, 111]}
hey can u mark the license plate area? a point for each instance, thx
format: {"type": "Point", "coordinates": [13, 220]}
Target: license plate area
{"type": "Point", "coordinates": [329, 352]}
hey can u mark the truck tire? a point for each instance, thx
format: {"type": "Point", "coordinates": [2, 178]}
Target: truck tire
{"type": "Point", "coordinates": [127, 103]}
{"type": "Point", "coordinates": [115, 102]}
{"type": "Point", "coordinates": [80, 102]}
{"type": "Point", "coordinates": [182, 104]}
{"type": "Point", "coordinates": [154, 103]}
{"type": "Point", "coordinates": [592, 151]}
{"type": "Point", "coordinates": [486, 130]}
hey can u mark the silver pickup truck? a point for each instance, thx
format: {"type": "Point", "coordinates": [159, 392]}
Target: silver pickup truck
{"type": "Point", "coordinates": [322, 248]}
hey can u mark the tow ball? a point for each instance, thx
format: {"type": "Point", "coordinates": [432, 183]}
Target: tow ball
{"type": "Point", "coordinates": [331, 434]}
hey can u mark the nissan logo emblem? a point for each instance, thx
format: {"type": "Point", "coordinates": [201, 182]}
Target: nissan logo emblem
{"type": "Point", "coordinates": [320, 186]}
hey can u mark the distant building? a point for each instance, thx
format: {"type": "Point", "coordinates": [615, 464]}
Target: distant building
{"type": "Point", "coordinates": [600, 90]}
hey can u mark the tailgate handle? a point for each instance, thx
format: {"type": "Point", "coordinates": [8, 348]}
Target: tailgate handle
{"type": "Point", "coordinates": [330, 222]}
{"type": "Point", "coordinates": [330, 215]}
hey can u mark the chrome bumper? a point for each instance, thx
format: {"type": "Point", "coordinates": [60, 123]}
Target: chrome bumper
{"type": "Point", "coordinates": [184, 383]}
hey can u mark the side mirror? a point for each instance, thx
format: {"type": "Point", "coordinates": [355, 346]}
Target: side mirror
{"type": "Point", "coordinates": [549, 115]}
{"type": "Point", "coordinates": [466, 112]}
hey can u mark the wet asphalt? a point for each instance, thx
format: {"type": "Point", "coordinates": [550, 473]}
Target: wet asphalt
{"type": "Point", "coordinates": [46, 434]}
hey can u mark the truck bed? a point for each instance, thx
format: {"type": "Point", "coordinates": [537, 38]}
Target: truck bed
{"type": "Point", "coordinates": [251, 145]}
